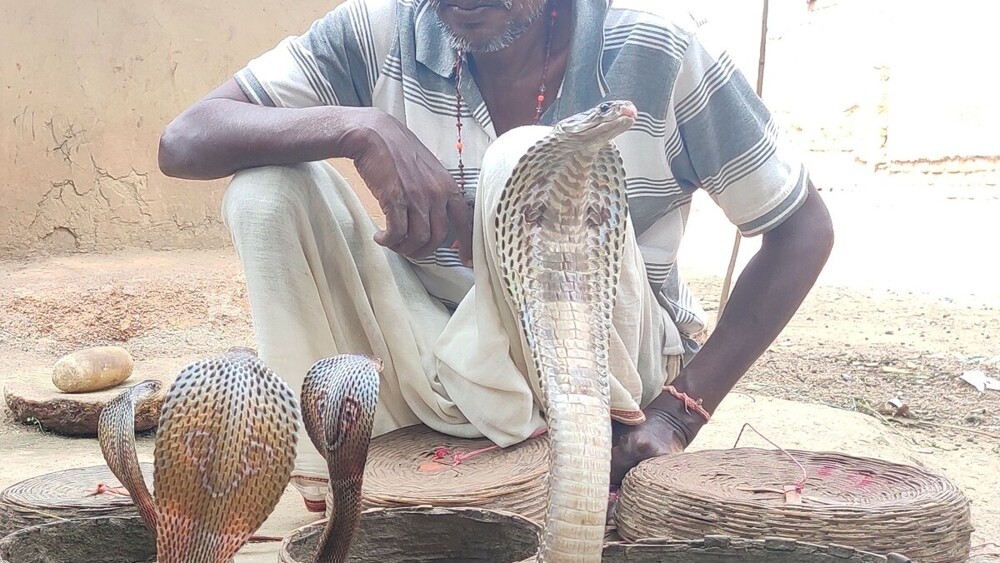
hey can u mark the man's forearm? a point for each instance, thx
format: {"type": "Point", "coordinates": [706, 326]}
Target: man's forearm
{"type": "Point", "coordinates": [766, 296]}
{"type": "Point", "coordinates": [219, 136]}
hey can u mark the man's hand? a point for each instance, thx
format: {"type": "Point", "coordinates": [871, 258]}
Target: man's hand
{"type": "Point", "coordinates": [766, 295]}
{"type": "Point", "coordinates": [420, 199]}
{"type": "Point", "coordinates": [658, 435]}
{"type": "Point", "coordinates": [224, 132]}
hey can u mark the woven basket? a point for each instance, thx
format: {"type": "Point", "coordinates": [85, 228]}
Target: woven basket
{"type": "Point", "coordinates": [104, 539]}
{"type": "Point", "coordinates": [722, 549]}
{"type": "Point", "coordinates": [63, 495]}
{"type": "Point", "coordinates": [402, 471]}
{"type": "Point", "coordinates": [868, 504]}
{"type": "Point", "coordinates": [395, 535]}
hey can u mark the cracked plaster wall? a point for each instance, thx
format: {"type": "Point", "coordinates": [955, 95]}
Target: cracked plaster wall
{"type": "Point", "coordinates": [86, 88]}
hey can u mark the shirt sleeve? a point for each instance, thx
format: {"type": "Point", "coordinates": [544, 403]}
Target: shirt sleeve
{"type": "Point", "coordinates": [335, 62]}
{"type": "Point", "coordinates": [731, 145]}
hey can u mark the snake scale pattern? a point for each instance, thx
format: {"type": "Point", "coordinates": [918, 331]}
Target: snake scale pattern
{"type": "Point", "coordinates": [225, 448]}
{"type": "Point", "coordinates": [339, 396]}
{"type": "Point", "coordinates": [224, 451]}
{"type": "Point", "coordinates": [227, 435]}
{"type": "Point", "coordinates": [116, 436]}
{"type": "Point", "coordinates": [559, 232]}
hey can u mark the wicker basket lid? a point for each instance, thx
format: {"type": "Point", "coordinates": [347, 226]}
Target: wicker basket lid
{"type": "Point", "coordinates": [416, 466]}
{"type": "Point", "coordinates": [70, 493]}
{"type": "Point", "coordinates": [424, 533]}
{"type": "Point", "coordinates": [868, 504]}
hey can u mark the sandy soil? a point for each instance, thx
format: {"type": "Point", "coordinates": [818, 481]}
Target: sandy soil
{"type": "Point", "coordinates": [906, 306]}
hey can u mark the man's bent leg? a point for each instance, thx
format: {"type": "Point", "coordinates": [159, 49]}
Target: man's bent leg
{"type": "Point", "coordinates": [319, 285]}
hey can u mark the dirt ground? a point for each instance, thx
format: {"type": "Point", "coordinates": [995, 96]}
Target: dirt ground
{"type": "Point", "coordinates": [907, 305]}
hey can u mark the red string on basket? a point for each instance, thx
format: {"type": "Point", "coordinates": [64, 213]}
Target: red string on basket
{"type": "Point", "coordinates": [104, 489]}
{"type": "Point", "coordinates": [805, 475]}
{"type": "Point", "coordinates": [458, 457]}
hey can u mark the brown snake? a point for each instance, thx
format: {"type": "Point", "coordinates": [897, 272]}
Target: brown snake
{"type": "Point", "coordinates": [559, 235]}
{"type": "Point", "coordinates": [339, 396]}
{"type": "Point", "coordinates": [116, 435]}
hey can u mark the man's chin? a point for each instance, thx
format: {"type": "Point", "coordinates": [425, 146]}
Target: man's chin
{"type": "Point", "coordinates": [474, 43]}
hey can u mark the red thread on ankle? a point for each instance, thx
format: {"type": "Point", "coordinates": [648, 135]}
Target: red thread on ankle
{"type": "Point", "coordinates": [689, 403]}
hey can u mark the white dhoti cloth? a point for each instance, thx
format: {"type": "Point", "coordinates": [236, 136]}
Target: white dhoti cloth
{"type": "Point", "coordinates": [319, 285]}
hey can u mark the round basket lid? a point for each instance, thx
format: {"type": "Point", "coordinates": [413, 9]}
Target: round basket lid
{"type": "Point", "coordinates": [424, 533]}
{"type": "Point", "coordinates": [864, 503]}
{"type": "Point", "coordinates": [416, 466]}
{"type": "Point", "coordinates": [65, 494]}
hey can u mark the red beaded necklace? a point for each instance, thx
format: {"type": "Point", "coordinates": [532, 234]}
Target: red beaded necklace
{"type": "Point", "coordinates": [458, 98]}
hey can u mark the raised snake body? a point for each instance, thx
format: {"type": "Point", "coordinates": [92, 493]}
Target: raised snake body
{"type": "Point", "coordinates": [225, 448]}
{"type": "Point", "coordinates": [116, 435]}
{"type": "Point", "coordinates": [339, 396]}
{"type": "Point", "coordinates": [559, 232]}
{"type": "Point", "coordinates": [226, 440]}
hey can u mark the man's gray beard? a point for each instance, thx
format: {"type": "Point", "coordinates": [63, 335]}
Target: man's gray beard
{"type": "Point", "coordinates": [502, 41]}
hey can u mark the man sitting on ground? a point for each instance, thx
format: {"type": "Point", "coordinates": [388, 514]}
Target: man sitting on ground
{"type": "Point", "coordinates": [413, 93]}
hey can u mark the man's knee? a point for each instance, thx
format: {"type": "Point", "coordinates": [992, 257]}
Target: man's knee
{"type": "Point", "coordinates": [270, 195]}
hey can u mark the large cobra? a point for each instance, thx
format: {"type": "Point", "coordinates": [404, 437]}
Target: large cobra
{"type": "Point", "coordinates": [223, 454]}
{"type": "Point", "coordinates": [559, 234]}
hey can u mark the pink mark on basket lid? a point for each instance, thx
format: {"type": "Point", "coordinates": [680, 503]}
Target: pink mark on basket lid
{"type": "Point", "coordinates": [864, 480]}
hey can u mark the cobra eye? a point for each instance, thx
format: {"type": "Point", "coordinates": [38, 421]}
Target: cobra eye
{"type": "Point", "coordinates": [605, 107]}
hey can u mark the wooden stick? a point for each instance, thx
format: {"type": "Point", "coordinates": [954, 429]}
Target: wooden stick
{"type": "Point", "coordinates": [942, 425]}
{"type": "Point", "coordinates": [763, 49]}
{"type": "Point", "coordinates": [867, 409]}
{"type": "Point", "coordinates": [728, 281]}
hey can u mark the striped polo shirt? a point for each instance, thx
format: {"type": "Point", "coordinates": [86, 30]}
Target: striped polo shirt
{"type": "Point", "coordinates": [700, 124]}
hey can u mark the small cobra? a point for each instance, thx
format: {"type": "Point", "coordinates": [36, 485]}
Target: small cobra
{"type": "Point", "coordinates": [339, 396]}
{"type": "Point", "coordinates": [116, 435]}
{"type": "Point", "coordinates": [226, 445]}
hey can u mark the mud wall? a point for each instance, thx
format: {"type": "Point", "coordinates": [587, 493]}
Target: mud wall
{"type": "Point", "coordinates": [85, 90]}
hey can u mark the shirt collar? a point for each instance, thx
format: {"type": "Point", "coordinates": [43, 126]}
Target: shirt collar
{"type": "Point", "coordinates": [432, 49]}
{"type": "Point", "coordinates": [583, 84]}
